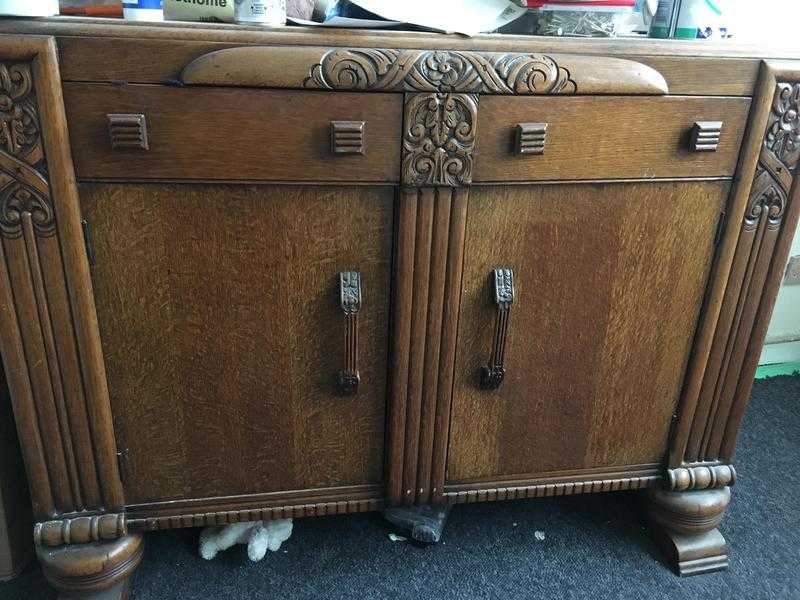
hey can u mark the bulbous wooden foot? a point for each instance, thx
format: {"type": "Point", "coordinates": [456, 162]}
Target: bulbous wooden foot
{"type": "Point", "coordinates": [98, 571]}
{"type": "Point", "coordinates": [684, 525]}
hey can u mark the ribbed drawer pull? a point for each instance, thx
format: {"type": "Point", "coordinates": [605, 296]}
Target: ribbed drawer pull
{"type": "Point", "coordinates": [128, 131]}
{"type": "Point", "coordinates": [530, 138]}
{"type": "Point", "coordinates": [347, 137]}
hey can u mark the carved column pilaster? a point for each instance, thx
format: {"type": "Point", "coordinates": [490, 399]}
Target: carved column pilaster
{"type": "Point", "coordinates": [48, 328]}
{"type": "Point", "coordinates": [764, 210]}
{"type": "Point", "coordinates": [438, 144]}
{"type": "Point", "coordinates": [49, 338]}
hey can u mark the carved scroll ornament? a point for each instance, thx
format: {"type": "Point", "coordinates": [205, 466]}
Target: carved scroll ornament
{"type": "Point", "coordinates": [443, 71]}
{"type": "Point", "coordinates": [778, 160]}
{"type": "Point", "coordinates": [24, 192]}
{"type": "Point", "coordinates": [439, 138]}
{"type": "Point", "coordinates": [422, 70]}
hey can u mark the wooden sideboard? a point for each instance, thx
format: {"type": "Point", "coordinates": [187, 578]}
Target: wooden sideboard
{"type": "Point", "coordinates": [257, 274]}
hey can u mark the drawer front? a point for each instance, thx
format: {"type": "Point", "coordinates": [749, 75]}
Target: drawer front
{"type": "Point", "coordinates": [223, 334]}
{"type": "Point", "coordinates": [606, 137]}
{"type": "Point", "coordinates": [233, 134]}
{"type": "Point", "coordinates": [608, 282]}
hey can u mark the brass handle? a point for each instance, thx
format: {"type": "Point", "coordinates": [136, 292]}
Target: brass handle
{"type": "Point", "coordinates": [493, 373]}
{"type": "Point", "coordinates": [350, 301]}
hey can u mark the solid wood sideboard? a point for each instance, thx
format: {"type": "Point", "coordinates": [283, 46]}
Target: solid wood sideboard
{"type": "Point", "coordinates": [252, 274]}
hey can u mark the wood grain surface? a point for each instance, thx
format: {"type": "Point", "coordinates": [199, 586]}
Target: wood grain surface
{"type": "Point", "coordinates": [408, 70]}
{"type": "Point", "coordinates": [609, 282]}
{"type": "Point", "coordinates": [220, 319]}
{"type": "Point", "coordinates": [161, 60]}
{"type": "Point", "coordinates": [607, 137]}
{"type": "Point", "coordinates": [429, 240]}
{"type": "Point", "coordinates": [232, 134]}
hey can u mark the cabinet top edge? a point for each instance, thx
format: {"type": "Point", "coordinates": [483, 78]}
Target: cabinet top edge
{"type": "Point", "coordinates": [291, 35]}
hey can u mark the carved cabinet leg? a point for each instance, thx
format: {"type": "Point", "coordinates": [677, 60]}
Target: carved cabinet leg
{"type": "Point", "coordinates": [684, 525]}
{"type": "Point", "coordinates": [96, 571]}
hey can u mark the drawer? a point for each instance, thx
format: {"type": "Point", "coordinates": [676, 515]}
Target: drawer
{"type": "Point", "coordinates": [606, 137]}
{"type": "Point", "coordinates": [233, 134]}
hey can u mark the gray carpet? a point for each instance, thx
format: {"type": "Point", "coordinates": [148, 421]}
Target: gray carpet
{"type": "Point", "coordinates": [595, 546]}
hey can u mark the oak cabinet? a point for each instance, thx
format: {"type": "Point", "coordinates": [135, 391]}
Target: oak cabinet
{"type": "Point", "coordinates": [223, 336]}
{"type": "Point", "coordinates": [257, 275]}
{"type": "Point", "coordinates": [608, 282]}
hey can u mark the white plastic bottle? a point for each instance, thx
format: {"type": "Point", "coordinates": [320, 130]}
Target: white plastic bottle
{"type": "Point", "coordinates": [143, 10]}
{"type": "Point", "coordinates": [263, 12]}
{"type": "Point", "coordinates": [29, 8]}
{"type": "Point", "coordinates": [702, 19]}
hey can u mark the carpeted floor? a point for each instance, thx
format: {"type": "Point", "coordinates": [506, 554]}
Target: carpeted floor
{"type": "Point", "coordinates": [594, 547]}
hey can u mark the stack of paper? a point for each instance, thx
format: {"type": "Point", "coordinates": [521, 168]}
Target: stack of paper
{"type": "Point", "coordinates": [582, 5]}
{"type": "Point", "coordinates": [457, 16]}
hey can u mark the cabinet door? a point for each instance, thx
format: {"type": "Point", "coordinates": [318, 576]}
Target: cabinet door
{"type": "Point", "coordinates": [609, 282]}
{"type": "Point", "coordinates": [220, 317]}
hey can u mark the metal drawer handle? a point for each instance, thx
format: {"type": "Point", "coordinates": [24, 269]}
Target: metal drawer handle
{"type": "Point", "coordinates": [350, 301]}
{"type": "Point", "coordinates": [128, 131]}
{"type": "Point", "coordinates": [705, 136]}
{"type": "Point", "coordinates": [347, 137]}
{"type": "Point", "coordinates": [530, 138]}
{"type": "Point", "coordinates": [493, 373]}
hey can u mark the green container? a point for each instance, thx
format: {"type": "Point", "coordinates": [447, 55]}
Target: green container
{"type": "Point", "coordinates": [665, 19]}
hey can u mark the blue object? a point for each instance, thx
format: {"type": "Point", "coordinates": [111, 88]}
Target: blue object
{"type": "Point", "coordinates": [151, 4]}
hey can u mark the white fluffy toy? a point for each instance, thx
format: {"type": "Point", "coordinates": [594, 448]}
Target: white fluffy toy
{"type": "Point", "coordinates": [258, 535]}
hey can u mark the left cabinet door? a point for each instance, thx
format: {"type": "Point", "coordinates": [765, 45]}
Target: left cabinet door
{"type": "Point", "coordinates": [223, 334]}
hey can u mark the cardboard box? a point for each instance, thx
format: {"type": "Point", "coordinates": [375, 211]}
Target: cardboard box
{"type": "Point", "coordinates": [215, 11]}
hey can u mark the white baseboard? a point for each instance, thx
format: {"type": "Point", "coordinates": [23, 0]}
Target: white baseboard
{"type": "Point", "coordinates": [786, 352]}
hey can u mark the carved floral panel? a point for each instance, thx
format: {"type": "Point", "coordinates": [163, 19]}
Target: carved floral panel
{"type": "Point", "coordinates": [439, 139]}
{"type": "Point", "coordinates": [778, 160]}
{"type": "Point", "coordinates": [24, 192]}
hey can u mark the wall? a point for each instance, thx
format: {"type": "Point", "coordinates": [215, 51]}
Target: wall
{"type": "Point", "coordinates": [783, 337]}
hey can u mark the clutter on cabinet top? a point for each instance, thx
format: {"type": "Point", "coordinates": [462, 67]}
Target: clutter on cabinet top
{"type": "Point", "coordinates": [696, 19]}
{"type": "Point", "coordinates": [692, 19]}
{"type": "Point", "coordinates": [468, 17]}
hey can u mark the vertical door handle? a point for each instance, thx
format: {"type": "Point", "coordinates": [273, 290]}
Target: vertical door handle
{"type": "Point", "coordinates": [492, 374]}
{"type": "Point", "coordinates": [350, 301]}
